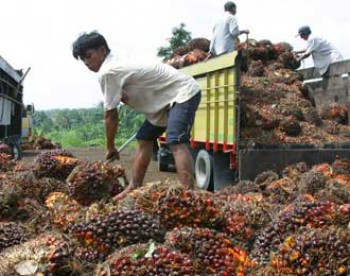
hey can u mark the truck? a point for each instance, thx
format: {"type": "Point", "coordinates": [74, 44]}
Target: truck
{"type": "Point", "coordinates": [15, 118]}
{"type": "Point", "coordinates": [220, 158]}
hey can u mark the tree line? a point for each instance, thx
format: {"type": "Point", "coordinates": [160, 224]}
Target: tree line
{"type": "Point", "coordinates": [83, 127]}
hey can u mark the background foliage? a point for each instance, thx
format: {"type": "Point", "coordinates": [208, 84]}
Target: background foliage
{"type": "Point", "coordinates": [83, 127]}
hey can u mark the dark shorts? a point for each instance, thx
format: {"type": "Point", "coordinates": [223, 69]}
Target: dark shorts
{"type": "Point", "coordinates": [180, 121]}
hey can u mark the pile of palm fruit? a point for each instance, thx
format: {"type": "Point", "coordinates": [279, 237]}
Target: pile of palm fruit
{"type": "Point", "coordinates": [293, 222]}
{"type": "Point", "coordinates": [276, 107]}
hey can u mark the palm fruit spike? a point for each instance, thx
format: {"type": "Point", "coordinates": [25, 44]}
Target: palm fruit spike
{"type": "Point", "coordinates": [189, 208]}
{"type": "Point", "coordinates": [49, 254]}
{"type": "Point", "coordinates": [146, 260]}
{"type": "Point", "coordinates": [12, 233]}
{"type": "Point", "coordinates": [116, 230]}
{"type": "Point", "coordinates": [308, 252]}
{"type": "Point", "coordinates": [27, 185]}
{"type": "Point", "coordinates": [57, 164]}
{"type": "Point", "coordinates": [335, 112]}
{"type": "Point", "coordinates": [212, 251]}
{"type": "Point", "coordinates": [90, 182]}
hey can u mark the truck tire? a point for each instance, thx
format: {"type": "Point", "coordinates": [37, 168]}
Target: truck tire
{"type": "Point", "coordinates": [16, 152]}
{"type": "Point", "coordinates": [204, 170]}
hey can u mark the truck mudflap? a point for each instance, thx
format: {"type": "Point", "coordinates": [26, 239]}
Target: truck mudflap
{"type": "Point", "coordinates": [255, 161]}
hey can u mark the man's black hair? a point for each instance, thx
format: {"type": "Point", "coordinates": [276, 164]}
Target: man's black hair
{"type": "Point", "coordinates": [87, 41]}
{"type": "Point", "coordinates": [229, 6]}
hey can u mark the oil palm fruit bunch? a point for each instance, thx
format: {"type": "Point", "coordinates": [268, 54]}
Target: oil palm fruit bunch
{"type": "Point", "coordinates": [212, 252]}
{"type": "Point", "coordinates": [146, 260]}
{"type": "Point", "coordinates": [311, 116]}
{"type": "Point", "coordinates": [6, 163]}
{"type": "Point", "coordinates": [335, 112]}
{"type": "Point", "coordinates": [290, 127]}
{"type": "Point", "coordinates": [194, 56]}
{"type": "Point", "coordinates": [312, 214]}
{"type": "Point", "coordinates": [189, 208]}
{"type": "Point", "coordinates": [27, 185]}
{"type": "Point", "coordinates": [90, 182]}
{"type": "Point", "coordinates": [316, 252]}
{"type": "Point", "coordinates": [289, 61]}
{"type": "Point", "coordinates": [12, 233]}
{"type": "Point", "coordinates": [281, 191]}
{"type": "Point", "coordinates": [116, 230]}
{"type": "Point", "coordinates": [341, 166]}
{"type": "Point", "coordinates": [63, 209]}
{"type": "Point", "coordinates": [282, 47]}
{"type": "Point", "coordinates": [256, 68]}
{"type": "Point", "coordinates": [13, 206]}
{"type": "Point", "coordinates": [263, 179]}
{"type": "Point", "coordinates": [245, 218]}
{"type": "Point", "coordinates": [57, 164]}
{"type": "Point", "coordinates": [199, 43]}
{"type": "Point", "coordinates": [311, 182]}
{"type": "Point", "coordinates": [284, 76]}
{"type": "Point", "coordinates": [49, 254]}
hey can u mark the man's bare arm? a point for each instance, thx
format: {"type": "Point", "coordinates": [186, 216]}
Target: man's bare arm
{"type": "Point", "coordinates": [111, 124]}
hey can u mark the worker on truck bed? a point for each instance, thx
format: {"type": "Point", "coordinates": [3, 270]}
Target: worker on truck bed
{"type": "Point", "coordinates": [167, 98]}
{"type": "Point", "coordinates": [322, 51]}
{"type": "Point", "coordinates": [226, 32]}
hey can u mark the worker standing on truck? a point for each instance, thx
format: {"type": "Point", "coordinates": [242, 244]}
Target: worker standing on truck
{"type": "Point", "coordinates": [167, 98]}
{"type": "Point", "coordinates": [322, 51]}
{"type": "Point", "coordinates": [226, 32]}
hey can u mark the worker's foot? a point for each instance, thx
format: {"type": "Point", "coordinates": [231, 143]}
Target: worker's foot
{"type": "Point", "coordinates": [124, 193]}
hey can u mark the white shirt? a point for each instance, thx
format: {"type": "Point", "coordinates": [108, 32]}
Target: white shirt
{"type": "Point", "coordinates": [323, 53]}
{"type": "Point", "coordinates": [224, 33]}
{"type": "Point", "coordinates": [148, 89]}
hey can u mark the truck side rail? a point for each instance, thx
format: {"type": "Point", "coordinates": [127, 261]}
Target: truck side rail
{"type": "Point", "coordinates": [334, 87]}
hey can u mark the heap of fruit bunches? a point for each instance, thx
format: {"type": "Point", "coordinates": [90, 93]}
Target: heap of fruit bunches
{"type": "Point", "coordinates": [147, 260]}
{"type": "Point", "coordinates": [107, 233]}
{"type": "Point", "coordinates": [6, 162]}
{"type": "Point", "coordinates": [311, 214]}
{"type": "Point", "coordinates": [315, 252]}
{"type": "Point", "coordinates": [12, 233]}
{"type": "Point", "coordinates": [57, 164]}
{"type": "Point", "coordinates": [212, 252]}
{"type": "Point", "coordinates": [189, 208]}
{"type": "Point", "coordinates": [244, 218]}
{"type": "Point", "coordinates": [90, 182]}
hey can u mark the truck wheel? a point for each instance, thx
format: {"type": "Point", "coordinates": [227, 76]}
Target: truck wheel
{"type": "Point", "coordinates": [204, 170]}
{"type": "Point", "coordinates": [16, 152]}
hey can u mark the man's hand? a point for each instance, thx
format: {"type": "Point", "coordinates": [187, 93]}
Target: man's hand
{"type": "Point", "coordinates": [111, 155]}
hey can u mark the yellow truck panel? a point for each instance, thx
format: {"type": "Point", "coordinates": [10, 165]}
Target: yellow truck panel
{"type": "Point", "coordinates": [216, 115]}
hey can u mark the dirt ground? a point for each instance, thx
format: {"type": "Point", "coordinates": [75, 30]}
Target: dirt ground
{"type": "Point", "coordinates": [126, 159]}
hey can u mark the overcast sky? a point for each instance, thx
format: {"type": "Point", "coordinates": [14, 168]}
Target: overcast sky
{"type": "Point", "coordinates": [39, 34]}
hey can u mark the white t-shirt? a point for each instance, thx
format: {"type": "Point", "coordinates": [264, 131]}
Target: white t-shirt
{"type": "Point", "coordinates": [224, 34]}
{"type": "Point", "coordinates": [323, 53]}
{"type": "Point", "coordinates": [148, 89]}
